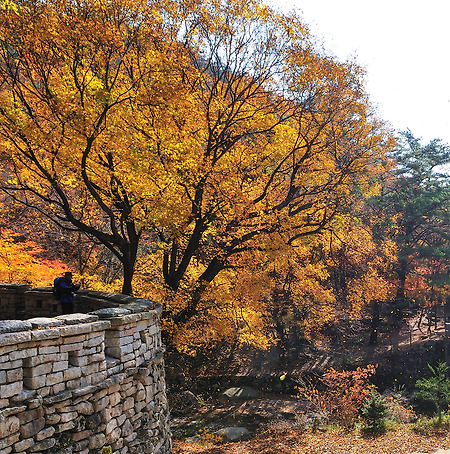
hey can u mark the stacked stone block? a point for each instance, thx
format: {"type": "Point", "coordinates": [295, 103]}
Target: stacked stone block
{"type": "Point", "coordinates": [82, 382]}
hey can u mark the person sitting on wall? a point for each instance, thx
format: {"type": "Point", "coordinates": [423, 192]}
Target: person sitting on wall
{"type": "Point", "coordinates": [64, 291]}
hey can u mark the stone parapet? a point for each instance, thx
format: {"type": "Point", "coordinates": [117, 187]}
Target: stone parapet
{"type": "Point", "coordinates": [82, 382]}
{"type": "Point", "coordinates": [12, 300]}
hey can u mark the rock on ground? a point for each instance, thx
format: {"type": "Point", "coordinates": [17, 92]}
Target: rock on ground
{"type": "Point", "coordinates": [231, 434]}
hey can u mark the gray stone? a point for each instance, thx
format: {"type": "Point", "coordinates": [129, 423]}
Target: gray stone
{"type": "Point", "coordinates": [196, 439]}
{"type": "Point", "coordinates": [34, 403]}
{"type": "Point", "coordinates": [241, 393]}
{"type": "Point", "coordinates": [45, 433]}
{"type": "Point", "coordinates": [110, 312]}
{"type": "Point", "coordinates": [45, 334]}
{"type": "Point", "coordinates": [4, 413]}
{"type": "Point", "coordinates": [32, 428]}
{"type": "Point", "coordinates": [127, 428]}
{"type": "Point", "coordinates": [73, 319]}
{"type": "Point", "coordinates": [9, 426]}
{"type": "Point", "coordinates": [93, 421]}
{"type": "Point", "coordinates": [61, 397]}
{"type": "Point", "coordinates": [45, 322]}
{"type": "Point", "coordinates": [126, 319]}
{"type": "Point", "coordinates": [12, 326]}
{"type": "Point", "coordinates": [9, 441]}
{"type": "Point", "coordinates": [43, 445]}
{"type": "Point", "coordinates": [11, 389]}
{"type": "Point", "coordinates": [140, 305]}
{"type": "Point", "coordinates": [97, 441]}
{"type": "Point", "coordinates": [23, 445]}
{"type": "Point", "coordinates": [24, 395]}
{"type": "Point", "coordinates": [30, 415]}
{"type": "Point", "coordinates": [85, 408]}
{"type": "Point", "coordinates": [66, 378]}
{"type": "Point", "coordinates": [231, 434]}
{"type": "Point", "coordinates": [85, 390]}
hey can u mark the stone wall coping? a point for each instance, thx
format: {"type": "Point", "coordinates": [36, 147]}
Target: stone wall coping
{"type": "Point", "coordinates": [125, 310]}
{"type": "Point", "coordinates": [40, 289]}
{"type": "Point", "coordinates": [10, 286]}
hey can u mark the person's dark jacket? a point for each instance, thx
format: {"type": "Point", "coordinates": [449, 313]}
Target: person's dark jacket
{"type": "Point", "coordinates": [66, 289]}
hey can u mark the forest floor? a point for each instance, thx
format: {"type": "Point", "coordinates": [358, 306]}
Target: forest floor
{"type": "Point", "coordinates": [271, 418]}
{"type": "Point", "coordinates": [401, 441]}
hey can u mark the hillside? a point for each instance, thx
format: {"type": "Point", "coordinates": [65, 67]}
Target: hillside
{"type": "Point", "coordinates": [276, 418]}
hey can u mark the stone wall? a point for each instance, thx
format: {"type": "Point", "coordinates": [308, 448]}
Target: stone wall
{"type": "Point", "coordinates": [81, 383]}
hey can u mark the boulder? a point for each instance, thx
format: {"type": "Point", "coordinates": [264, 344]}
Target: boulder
{"type": "Point", "coordinates": [232, 434]}
{"type": "Point", "coordinates": [242, 393]}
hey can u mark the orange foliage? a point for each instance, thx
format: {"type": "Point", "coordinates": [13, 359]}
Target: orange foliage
{"type": "Point", "coordinates": [359, 265]}
{"type": "Point", "coordinates": [343, 395]}
{"type": "Point", "coordinates": [21, 261]}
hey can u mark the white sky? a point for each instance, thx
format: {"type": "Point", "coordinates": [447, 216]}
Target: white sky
{"type": "Point", "coordinates": [405, 47]}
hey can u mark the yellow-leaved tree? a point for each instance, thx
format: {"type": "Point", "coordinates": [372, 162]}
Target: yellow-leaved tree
{"type": "Point", "coordinates": [202, 140]}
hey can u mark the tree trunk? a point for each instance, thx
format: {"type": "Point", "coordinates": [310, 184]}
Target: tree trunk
{"type": "Point", "coordinates": [173, 273]}
{"type": "Point", "coordinates": [127, 287]}
{"type": "Point", "coordinates": [204, 280]}
{"type": "Point", "coordinates": [129, 255]}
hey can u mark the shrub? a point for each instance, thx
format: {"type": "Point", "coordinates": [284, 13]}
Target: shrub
{"type": "Point", "coordinates": [435, 389]}
{"type": "Point", "coordinates": [399, 409]}
{"type": "Point", "coordinates": [342, 395]}
{"type": "Point", "coordinates": [374, 413]}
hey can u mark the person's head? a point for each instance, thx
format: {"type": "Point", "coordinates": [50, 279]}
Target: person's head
{"type": "Point", "coordinates": [68, 275]}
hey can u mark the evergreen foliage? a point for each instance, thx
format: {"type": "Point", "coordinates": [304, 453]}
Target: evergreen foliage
{"type": "Point", "coordinates": [414, 203]}
{"type": "Point", "coordinates": [435, 389]}
{"type": "Point", "coordinates": [374, 413]}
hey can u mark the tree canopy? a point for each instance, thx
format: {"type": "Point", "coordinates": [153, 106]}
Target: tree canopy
{"type": "Point", "coordinates": [415, 202]}
{"type": "Point", "coordinates": [197, 139]}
